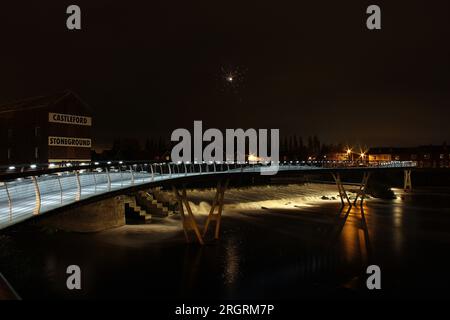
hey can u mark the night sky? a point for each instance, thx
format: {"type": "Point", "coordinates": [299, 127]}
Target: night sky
{"type": "Point", "coordinates": [306, 67]}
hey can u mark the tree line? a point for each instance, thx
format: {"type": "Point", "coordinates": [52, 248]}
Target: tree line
{"type": "Point", "coordinates": [292, 147]}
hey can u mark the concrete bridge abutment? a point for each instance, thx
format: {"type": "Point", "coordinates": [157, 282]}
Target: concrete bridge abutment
{"type": "Point", "coordinates": [91, 217]}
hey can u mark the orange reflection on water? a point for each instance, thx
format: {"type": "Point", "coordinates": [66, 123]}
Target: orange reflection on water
{"type": "Point", "coordinates": [355, 236]}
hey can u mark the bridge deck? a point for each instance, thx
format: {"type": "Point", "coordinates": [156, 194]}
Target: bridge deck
{"type": "Point", "coordinates": [30, 195]}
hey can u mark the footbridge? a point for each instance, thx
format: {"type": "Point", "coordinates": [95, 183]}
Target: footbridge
{"type": "Point", "coordinates": [31, 191]}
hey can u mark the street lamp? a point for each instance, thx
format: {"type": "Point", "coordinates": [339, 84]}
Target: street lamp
{"type": "Point", "coordinates": [349, 154]}
{"type": "Point", "coordinates": [362, 156]}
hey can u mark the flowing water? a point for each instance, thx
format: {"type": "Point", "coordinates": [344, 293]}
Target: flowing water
{"type": "Point", "coordinates": [276, 242]}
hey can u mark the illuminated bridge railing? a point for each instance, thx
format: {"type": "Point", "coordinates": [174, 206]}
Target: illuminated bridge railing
{"type": "Point", "coordinates": [43, 188]}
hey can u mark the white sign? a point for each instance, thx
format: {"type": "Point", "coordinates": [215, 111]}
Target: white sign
{"type": "Point", "coordinates": [69, 142]}
{"type": "Point", "coordinates": [69, 119]}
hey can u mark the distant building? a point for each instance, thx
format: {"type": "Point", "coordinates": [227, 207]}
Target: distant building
{"type": "Point", "coordinates": [380, 154]}
{"type": "Point", "coordinates": [425, 156]}
{"type": "Point", "coordinates": [47, 129]}
{"type": "Point", "coordinates": [337, 156]}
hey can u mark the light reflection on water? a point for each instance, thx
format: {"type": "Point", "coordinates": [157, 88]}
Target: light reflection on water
{"type": "Point", "coordinates": [283, 250]}
{"type": "Point", "coordinates": [231, 270]}
{"type": "Point", "coordinates": [350, 246]}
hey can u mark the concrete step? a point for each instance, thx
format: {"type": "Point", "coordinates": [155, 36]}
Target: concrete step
{"type": "Point", "coordinates": [134, 213]}
{"type": "Point", "coordinates": [152, 202]}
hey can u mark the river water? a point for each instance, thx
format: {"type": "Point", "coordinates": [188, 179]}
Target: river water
{"type": "Point", "coordinates": [276, 242]}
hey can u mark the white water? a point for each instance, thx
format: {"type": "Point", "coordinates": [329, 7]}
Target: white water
{"type": "Point", "coordinates": [270, 197]}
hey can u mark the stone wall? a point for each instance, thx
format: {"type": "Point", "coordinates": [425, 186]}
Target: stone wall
{"type": "Point", "coordinates": [92, 217]}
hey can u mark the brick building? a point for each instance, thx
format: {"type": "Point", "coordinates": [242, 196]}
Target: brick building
{"type": "Point", "coordinates": [46, 129]}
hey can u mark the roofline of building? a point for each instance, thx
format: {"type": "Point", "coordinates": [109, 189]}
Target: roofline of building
{"type": "Point", "coordinates": [64, 94]}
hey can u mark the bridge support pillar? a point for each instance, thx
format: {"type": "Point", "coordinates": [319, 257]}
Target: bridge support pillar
{"type": "Point", "coordinates": [362, 188]}
{"type": "Point", "coordinates": [188, 220]}
{"type": "Point", "coordinates": [407, 185]}
{"type": "Point", "coordinates": [217, 203]}
{"type": "Point", "coordinates": [342, 193]}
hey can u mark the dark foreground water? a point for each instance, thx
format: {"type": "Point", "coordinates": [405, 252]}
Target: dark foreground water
{"type": "Point", "coordinates": [293, 248]}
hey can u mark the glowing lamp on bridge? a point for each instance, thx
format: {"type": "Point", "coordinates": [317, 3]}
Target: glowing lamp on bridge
{"type": "Point", "coordinates": [33, 166]}
{"type": "Point", "coordinates": [252, 158]}
{"type": "Point", "coordinates": [11, 168]}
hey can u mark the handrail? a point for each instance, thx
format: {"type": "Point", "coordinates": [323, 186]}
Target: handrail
{"type": "Point", "coordinates": [24, 194]}
{"type": "Point", "coordinates": [25, 170]}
